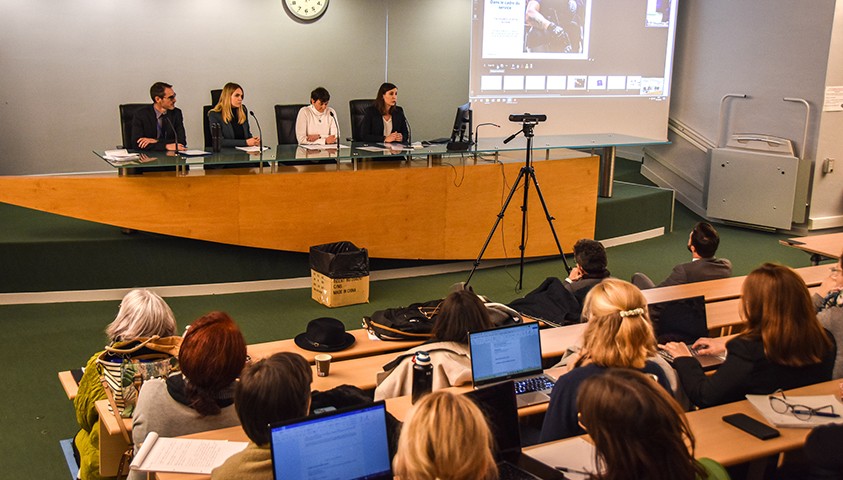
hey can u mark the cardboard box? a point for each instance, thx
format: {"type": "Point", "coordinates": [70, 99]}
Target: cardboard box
{"type": "Point", "coordinates": [339, 292]}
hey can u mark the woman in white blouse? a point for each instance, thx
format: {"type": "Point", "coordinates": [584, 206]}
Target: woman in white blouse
{"type": "Point", "coordinates": [316, 124]}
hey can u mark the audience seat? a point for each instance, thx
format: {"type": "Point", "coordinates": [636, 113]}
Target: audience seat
{"type": "Point", "coordinates": [285, 123]}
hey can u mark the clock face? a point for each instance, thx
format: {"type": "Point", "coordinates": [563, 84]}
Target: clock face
{"type": "Point", "coordinates": [306, 9]}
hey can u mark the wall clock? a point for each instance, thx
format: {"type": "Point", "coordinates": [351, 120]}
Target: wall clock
{"type": "Point", "coordinates": [307, 10]}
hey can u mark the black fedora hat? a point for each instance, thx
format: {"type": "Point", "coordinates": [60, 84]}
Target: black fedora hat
{"type": "Point", "coordinates": [325, 335]}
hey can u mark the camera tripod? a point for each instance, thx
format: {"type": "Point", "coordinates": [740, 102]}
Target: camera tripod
{"type": "Point", "coordinates": [528, 122]}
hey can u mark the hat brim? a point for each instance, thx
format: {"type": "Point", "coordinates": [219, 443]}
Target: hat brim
{"type": "Point", "coordinates": [302, 342]}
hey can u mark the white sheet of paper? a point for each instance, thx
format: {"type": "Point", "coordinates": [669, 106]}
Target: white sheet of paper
{"type": "Point", "coordinates": [194, 153]}
{"type": "Point", "coordinates": [787, 420]}
{"type": "Point", "coordinates": [252, 149]}
{"type": "Point", "coordinates": [182, 455]}
{"type": "Point", "coordinates": [575, 454]}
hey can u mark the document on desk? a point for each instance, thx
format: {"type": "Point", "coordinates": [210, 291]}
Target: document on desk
{"type": "Point", "coordinates": [183, 455]}
{"type": "Point", "coordinates": [789, 420]}
{"type": "Point", "coordinates": [194, 153]}
{"type": "Point", "coordinates": [573, 456]}
{"type": "Point", "coordinates": [120, 155]}
{"type": "Point", "coordinates": [253, 149]}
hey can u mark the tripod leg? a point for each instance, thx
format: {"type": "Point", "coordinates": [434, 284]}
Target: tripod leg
{"type": "Point", "coordinates": [549, 217]}
{"type": "Point", "coordinates": [512, 191]}
{"type": "Point", "coordinates": [527, 170]}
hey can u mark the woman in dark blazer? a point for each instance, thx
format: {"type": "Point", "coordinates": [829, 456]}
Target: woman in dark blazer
{"type": "Point", "coordinates": [384, 121]}
{"type": "Point", "coordinates": [233, 118]}
{"type": "Point", "coordinates": [783, 345]}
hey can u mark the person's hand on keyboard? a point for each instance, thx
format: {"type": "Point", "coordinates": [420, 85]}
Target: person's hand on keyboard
{"type": "Point", "coordinates": [710, 346]}
{"type": "Point", "coordinates": [676, 349]}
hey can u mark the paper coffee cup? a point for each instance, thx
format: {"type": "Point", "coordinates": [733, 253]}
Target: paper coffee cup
{"type": "Point", "coordinates": [323, 364]}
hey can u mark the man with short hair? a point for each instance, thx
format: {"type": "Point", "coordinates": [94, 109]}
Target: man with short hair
{"type": "Point", "coordinates": [589, 270]}
{"type": "Point", "coordinates": [702, 243]}
{"type": "Point", "coordinates": [159, 126]}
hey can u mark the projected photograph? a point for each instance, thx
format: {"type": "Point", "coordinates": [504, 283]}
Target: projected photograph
{"type": "Point", "coordinates": [554, 26]}
{"type": "Point", "coordinates": [658, 13]}
{"type": "Point", "coordinates": [536, 29]}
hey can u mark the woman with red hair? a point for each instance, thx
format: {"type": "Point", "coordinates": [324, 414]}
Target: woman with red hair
{"type": "Point", "coordinates": [201, 396]}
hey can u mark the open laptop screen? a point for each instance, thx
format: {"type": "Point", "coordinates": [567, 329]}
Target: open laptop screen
{"type": "Point", "coordinates": [504, 353]}
{"type": "Point", "coordinates": [680, 320]}
{"type": "Point", "coordinates": [339, 445]}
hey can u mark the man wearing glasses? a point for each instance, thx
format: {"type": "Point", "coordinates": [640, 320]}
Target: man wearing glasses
{"type": "Point", "coordinates": [159, 126]}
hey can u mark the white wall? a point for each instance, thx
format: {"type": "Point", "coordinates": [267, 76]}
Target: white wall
{"type": "Point", "coordinates": [768, 50]}
{"type": "Point", "coordinates": [65, 66]}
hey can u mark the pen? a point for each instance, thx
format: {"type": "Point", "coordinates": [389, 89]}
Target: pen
{"type": "Point", "coordinates": [819, 414]}
{"type": "Point", "coordinates": [572, 470]}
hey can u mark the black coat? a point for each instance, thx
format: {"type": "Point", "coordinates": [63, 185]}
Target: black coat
{"type": "Point", "coordinates": [145, 124]}
{"type": "Point", "coordinates": [372, 127]}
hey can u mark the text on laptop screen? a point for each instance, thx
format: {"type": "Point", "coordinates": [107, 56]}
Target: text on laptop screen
{"type": "Point", "coordinates": [345, 445]}
{"type": "Point", "coordinates": [505, 352]}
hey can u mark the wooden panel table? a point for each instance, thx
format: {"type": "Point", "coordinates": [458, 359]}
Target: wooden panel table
{"type": "Point", "coordinates": [724, 288]}
{"type": "Point", "coordinates": [729, 446]}
{"type": "Point", "coordinates": [396, 209]}
{"type": "Point", "coordinates": [362, 347]}
{"type": "Point", "coordinates": [819, 246]}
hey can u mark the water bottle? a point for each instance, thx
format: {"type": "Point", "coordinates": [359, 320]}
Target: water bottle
{"type": "Point", "coordinates": [216, 137]}
{"type": "Point", "coordinates": [422, 375]}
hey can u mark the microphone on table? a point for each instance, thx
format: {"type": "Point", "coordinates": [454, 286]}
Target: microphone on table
{"type": "Point", "coordinates": [260, 133]}
{"type": "Point", "coordinates": [409, 132]}
{"type": "Point", "coordinates": [175, 133]}
{"type": "Point", "coordinates": [331, 112]}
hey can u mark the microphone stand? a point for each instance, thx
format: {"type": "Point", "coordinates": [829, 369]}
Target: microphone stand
{"type": "Point", "coordinates": [477, 137]}
{"type": "Point", "coordinates": [334, 118]}
{"type": "Point", "coordinates": [526, 171]}
{"type": "Point", "coordinates": [260, 137]}
{"type": "Point", "coordinates": [176, 136]}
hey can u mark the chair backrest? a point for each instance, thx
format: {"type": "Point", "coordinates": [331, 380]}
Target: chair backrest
{"type": "Point", "coordinates": [127, 113]}
{"type": "Point", "coordinates": [215, 97]}
{"type": "Point", "coordinates": [285, 123]}
{"type": "Point", "coordinates": [357, 109]}
{"type": "Point", "coordinates": [206, 124]}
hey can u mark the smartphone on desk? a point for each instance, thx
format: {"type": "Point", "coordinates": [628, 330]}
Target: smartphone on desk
{"type": "Point", "coordinates": [751, 426]}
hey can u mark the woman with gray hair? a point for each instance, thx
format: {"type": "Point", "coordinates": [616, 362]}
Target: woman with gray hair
{"type": "Point", "coordinates": [142, 313]}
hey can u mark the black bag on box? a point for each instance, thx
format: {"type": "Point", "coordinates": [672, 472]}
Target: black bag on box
{"type": "Point", "coordinates": [339, 260]}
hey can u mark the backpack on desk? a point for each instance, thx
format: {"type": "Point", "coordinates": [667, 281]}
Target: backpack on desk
{"type": "Point", "coordinates": [415, 321]}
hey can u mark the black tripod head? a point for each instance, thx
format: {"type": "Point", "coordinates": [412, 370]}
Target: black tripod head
{"type": "Point", "coordinates": [528, 121]}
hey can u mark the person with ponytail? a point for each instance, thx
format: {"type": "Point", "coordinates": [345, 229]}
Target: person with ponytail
{"type": "Point", "coordinates": [618, 335]}
{"type": "Point", "coordinates": [201, 396]}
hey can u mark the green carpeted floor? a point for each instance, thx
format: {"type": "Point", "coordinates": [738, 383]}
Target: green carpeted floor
{"type": "Point", "coordinates": [40, 340]}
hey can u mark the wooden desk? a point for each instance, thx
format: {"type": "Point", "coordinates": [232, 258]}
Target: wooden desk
{"type": "Point", "coordinates": [722, 316]}
{"type": "Point", "coordinates": [729, 446]}
{"type": "Point", "coordinates": [363, 347]}
{"type": "Point", "coordinates": [68, 383]}
{"type": "Point", "coordinates": [819, 246]}
{"type": "Point", "coordinates": [724, 288]}
{"type": "Point", "coordinates": [396, 209]}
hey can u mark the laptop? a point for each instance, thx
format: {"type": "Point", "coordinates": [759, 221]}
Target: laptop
{"type": "Point", "coordinates": [511, 353]}
{"type": "Point", "coordinates": [344, 444]}
{"type": "Point", "coordinates": [683, 320]}
{"type": "Point", "coordinates": [498, 404]}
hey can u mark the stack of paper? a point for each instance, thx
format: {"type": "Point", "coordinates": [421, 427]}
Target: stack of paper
{"type": "Point", "coordinates": [788, 420]}
{"type": "Point", "coordinates": [120, 156]}
{"type": "Point", "coordinates": [182, 455]}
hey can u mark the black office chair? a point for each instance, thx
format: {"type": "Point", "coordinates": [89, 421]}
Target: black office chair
{"type": "Point", "coordinates": [285, 123]}
{"type": "Point", "coordinates": [206, 125]}
{"type": "Point", "coordinates": [127, 113]}
{"type": "Point", "coordinates": [215, 96]}
{"type": "Point", "coordinates": [357, 109]}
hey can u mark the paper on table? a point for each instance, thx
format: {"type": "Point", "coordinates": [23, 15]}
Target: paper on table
{"type": "Point", "coordinates": [253, 149]}
{"type": "Point", "coordinates": [574, 454]}
{"type": "Point", "coordinates": [120, 155]}
{"type": "Point", "coordinates": [193, 153]}
{"type": "Point", "coordinates": [787, 420]}
{"type": "Point", "coordinates": [182, 455]}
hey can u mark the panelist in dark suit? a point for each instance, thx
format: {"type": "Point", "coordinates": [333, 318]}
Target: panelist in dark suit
{"type": "Point", "coordinates": [233, 118]}
{"type": "Point", "coordinates": [384, 121]}
{"type": "Point", "coordinates": [702, 243]}
{"type": "Point", "coordinates": [152, 126]}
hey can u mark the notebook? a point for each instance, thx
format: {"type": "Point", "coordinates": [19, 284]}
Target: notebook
{"type": "Point", "coordinates": [683, 320]}
{"type": "Point", "coordinates": [340, 445]}
{"type": "Point", "coordinates": [499, 405]}
{"type": "Point", "coordinates": [511, 353]}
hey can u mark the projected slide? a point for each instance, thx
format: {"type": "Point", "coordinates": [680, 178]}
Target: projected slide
{"type": "Point", "coordinates": [571, 59]}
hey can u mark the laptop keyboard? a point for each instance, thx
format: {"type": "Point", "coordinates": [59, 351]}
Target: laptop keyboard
{"type": "Point", "coordinates": [535, 384]}
{"type": "Point", "coordinates": [508, 471]}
